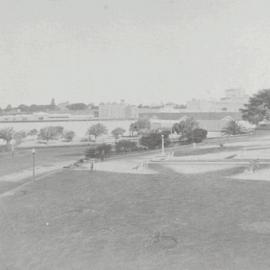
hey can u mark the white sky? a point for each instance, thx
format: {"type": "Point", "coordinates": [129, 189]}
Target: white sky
{"type": "Point", "coordinates": [143, 51]}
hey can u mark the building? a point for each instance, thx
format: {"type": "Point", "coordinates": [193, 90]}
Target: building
{"type": "Point", "coordinates": [117, 111]}
{"type": "Point", "coordinates": [211, 121]}
{"type": "Point", "coordinates": [131, 112]}
{"type": "Point", "coordinates": [233, 101]}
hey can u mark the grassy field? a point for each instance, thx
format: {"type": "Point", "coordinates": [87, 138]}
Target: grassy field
{"type": "Point", "coordinates": [83, 220]}
{"type": "Point", "coordinates": [23, 161]}
{"type": "Point", "coordinates": [103, 220]}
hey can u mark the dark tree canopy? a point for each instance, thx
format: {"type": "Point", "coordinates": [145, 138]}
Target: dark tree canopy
{"type": "Point", "coordinates": [97, 130]}
{"type": "Point", "coordinates": [140, 125]}
{"type": "Point", "coordinates": [185, 127]}
{"type": "Point", "coordinates": [117, 132]}
{"type": "Point", "coordinates": [77, 106]}
{"type": "Point", "coordinates": [6, 134]}
{"type": "Point", "coordinates": [257, 108]}
{"type": "Point", "coordinates": [232, 128]}
{"type": "Point", "coordinates": [153, 139]}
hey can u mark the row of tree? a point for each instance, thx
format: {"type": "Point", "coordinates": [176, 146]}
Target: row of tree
{"type": "Point", "coordinates": [188, 130]}
{"type": "Point", "coordinates": [45, 108]}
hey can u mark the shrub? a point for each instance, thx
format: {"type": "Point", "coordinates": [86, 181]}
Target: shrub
{"type": "Point", "coordinates": [153, 140]}
{"type": "Point", "coordinates": [32, 132]}
{"type": "Point", "coordinates": [140, 126]}
{"type": "Point", "coordinates": [69, 135]}
{"type": "Point", "coordinates": [117, 132]}
{"type": "Point", "coordinates": [98, 151]}
{"type": "Point", "coordinates": [6, 134]}
{"type": "Point", "coordinates": [19, 136]}
{"type": "Point", "coordinates": [232, 128]}
{"type": "Point", "coordinates": [91, 152]}
{"type": "Point", "coordinates": [198, 135]}
{"type": "Point", "coordinates": [125, 146]}
{"type": "Point", "coordinates": [50, 133]}
{"type": "Point", "coordinates": [185, 127]}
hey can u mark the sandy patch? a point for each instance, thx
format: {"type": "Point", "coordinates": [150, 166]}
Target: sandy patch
{"type": "Point", "coordinates": [257, 142]}
{"type": "Point", "coordinates": [263, 174]}
{"type": "Point", "coordinates": [198, 168]}
{"type": "Point", "coordinates": [210, 156]}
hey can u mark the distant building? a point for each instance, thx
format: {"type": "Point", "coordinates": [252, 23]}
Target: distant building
{"type": "Point", "coordinates": [232, 102]}
{"type": "Point", "coordinates": [63, 106]}
{"type": "Point", "coordinates": [131, 112]}
{"type": "Point", "coordinates": [117, 111]}
{"type": "Point", "coordinates": [211, 121]}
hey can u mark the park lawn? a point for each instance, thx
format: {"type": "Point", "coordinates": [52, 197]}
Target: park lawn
{"type": "Point", "coordinates": [98, 220]}
{"type": "Point", "coordinates": [44, 156]}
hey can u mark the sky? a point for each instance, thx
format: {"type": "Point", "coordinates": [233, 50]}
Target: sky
{"type": "Point", "coordinates": [142, 51]}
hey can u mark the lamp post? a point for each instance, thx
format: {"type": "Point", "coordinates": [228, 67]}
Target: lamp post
{"type": "Point", "coordinates": [34, 163]}
{"type": "Point", "coordinates": [162, 144]}
{"type": "Point", "coordinates": [12, 143]}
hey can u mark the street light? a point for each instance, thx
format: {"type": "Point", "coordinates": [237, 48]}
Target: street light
{"type": "Point", "coordinates": [162, 144]}
{"type": "Point", "coordinates": [34, 163]}
{"type": "Point", "coordinates": [12, 142]}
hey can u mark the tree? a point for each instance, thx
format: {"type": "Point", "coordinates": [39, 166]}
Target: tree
{"type": "Point", "coordinates": [6, 134]}
{"type": "Point", "coordinates": [32, 132]}
{"type": "Point", "coordinates": [50, 133]}
{"type": "Point", "coordinates": [23, 108]}
{"type": "Point", "coordinates": [232, 127]}
{"type": "Point", "coordinates": [257, 108]}
{"type": "Point", "coordinates": [69, 135]}
{"type": "Point", "coordinates": [8, 108]}
{"type": "Point", "coordinates": [125, 146]}
{"type": "Point", "coordinates": [153, 139]}
{"type": "Point", "coordinates": [139, 126]}
{"type": "Point", "coordinates": [77, 107]}
{"type": "Point", "coordinates": [19, 136]}
{"type": "Point", "coordinates": [97, 130]}
{"type": "Point", "coordinates": [117, 132]}
{"type": "Point", "coordinates": [185, 127]}
{"type": "Point", "coordinates": [198, 135]}
{"type": "Point", "coordinates": [98, 151]}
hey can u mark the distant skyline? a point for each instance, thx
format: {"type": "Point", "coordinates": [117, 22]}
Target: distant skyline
{"type": "Point", "coordinates": [142, 51]}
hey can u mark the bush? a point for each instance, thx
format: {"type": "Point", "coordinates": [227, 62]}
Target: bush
{"type": "Point", "coordinates": [19, 136]}
{"type": "Point", "coordinates": [69, 135]}
{"type": "Point", "coordinates": [98, 151]}
{"type": "Point", "coordinates": [91, 152]}
{"type": "Point", "coordinates": [140, 126]}
{"type": "Point", "coordinates": [84, 139]}
{"type": "Point", "coordinates": [198, 135]}
{"type": "Point", "coordinates": [125, 146]}
{"type": "Point", "coordinates": [117, 132]}
{"type": "Point", "coordinates": [32, 132]}
{"type": "Point", "coordinates": [153, 140]}
{"type": "Point", "coordinates": [232, 128]}
{"type": "Point", "coordinates": [51, 133]}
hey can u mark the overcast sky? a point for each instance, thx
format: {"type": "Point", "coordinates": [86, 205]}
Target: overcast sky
{"type": "Point", "coordinates": [143, 51]}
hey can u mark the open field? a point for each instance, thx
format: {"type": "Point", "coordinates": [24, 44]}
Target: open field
{"type": "Point", "coordinates": [14, 171]}
{"type": "Point", "coordinates": [187, 212]}
{"type": "Point", "coordinates": [82, 220]}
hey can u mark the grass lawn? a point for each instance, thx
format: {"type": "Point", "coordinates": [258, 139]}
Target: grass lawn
{"type": "Point", "coordinates": [23, 161]}
{"type": "Point", "coordinates": [82, 220]}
